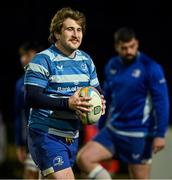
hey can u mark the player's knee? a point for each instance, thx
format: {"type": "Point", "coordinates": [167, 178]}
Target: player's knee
{"type": "Point", "coordinates": [83, 160]}
{"type": "Point", "coordinates": [80, 159]}
{"type": "Point", "coordinates": [140, 172]}
{"type": "Point", "coordinates": [141, 175]}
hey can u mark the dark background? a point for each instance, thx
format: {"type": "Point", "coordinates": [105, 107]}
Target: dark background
{"type": "Point", "coordinates": [30, 19]}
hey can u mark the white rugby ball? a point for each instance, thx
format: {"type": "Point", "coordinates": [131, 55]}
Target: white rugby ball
{"type": "Point", "coordinates": [96, 110]}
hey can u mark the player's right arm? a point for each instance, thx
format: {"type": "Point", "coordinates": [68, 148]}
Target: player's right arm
{"type": "Point", "coordinates": [35, 97]}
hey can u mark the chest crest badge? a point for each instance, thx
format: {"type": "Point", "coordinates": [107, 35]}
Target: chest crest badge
{"type": "Point", "coordinates": [84, 67]}
{"type": "Point", "coordinates": [113, 71]}
{"type": "Point", "coordinates": [136, 73]}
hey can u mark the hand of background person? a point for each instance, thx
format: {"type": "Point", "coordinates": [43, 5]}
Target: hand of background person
{"type": "Point", "coordinates": [103, 104]}
{"type": "Point", "coordinates": [158, 144]}
{"type": "Point", "coordinates": [21, 154]}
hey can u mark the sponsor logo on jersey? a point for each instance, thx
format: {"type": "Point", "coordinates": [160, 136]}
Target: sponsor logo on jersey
{"type": "Point", "coordinates": [68, 89]}
{"type": "Point", "coordinates": [76, 82]}
{"type": "Point", "coordinates": [136, 73]}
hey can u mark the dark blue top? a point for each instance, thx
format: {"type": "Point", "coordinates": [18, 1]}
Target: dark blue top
{"type": "Point", "coordinates": [21, 113]}
{"type": "Point", "coordinates": [137, 96]}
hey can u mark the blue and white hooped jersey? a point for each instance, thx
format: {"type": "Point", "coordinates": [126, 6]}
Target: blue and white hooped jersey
{"type": "Point", "coordinates": [61, 76]}
{"type": "Point", "coordinates": [138, 97]}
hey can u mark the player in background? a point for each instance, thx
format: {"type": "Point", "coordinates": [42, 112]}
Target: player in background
{"type": "Point", "coordinates": [3, 138]}
{"type": "Point", "coordinates": [52, 82]}
{"type": "Point", "coordinates": [27, 51]}
{"type": "Point", "coordinates": [138, 112]}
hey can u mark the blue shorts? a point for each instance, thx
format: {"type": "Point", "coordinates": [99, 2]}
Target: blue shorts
{"type": "Point", "coordinates": [51, 153]}
{"type": "Point", "coordinates": [130, 150]}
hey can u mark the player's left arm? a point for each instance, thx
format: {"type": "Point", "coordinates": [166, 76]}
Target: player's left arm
{"type": "Point", "coordinates": [95, 83]}
{"type": "Point", "coordinates": [103, 99]}
{"type": "Point", "coordinates": [160, 98]}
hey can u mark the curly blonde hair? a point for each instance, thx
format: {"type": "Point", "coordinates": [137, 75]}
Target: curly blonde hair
{"type": "Point", "coordinates": [60, 17]}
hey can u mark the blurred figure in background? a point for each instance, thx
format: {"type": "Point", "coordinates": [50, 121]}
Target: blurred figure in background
{"type": "Point", "coordinates": [27, 51]}
{"type": "Point", "coordinates": [136, 122]}
{"type": "Point", "coordinates": [3, 139]}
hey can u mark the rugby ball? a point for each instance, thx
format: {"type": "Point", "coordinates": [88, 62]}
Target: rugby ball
{"type": "Point", "coordinates": [96, 110]}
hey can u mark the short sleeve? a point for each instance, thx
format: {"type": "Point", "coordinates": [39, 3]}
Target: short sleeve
{"type": "Point", "coordinates": [37, 71]}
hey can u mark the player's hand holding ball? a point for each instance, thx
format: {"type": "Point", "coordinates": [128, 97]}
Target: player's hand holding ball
{"type": "Point", "coordinates": [97, 107]}
{"type": "Point", "coordinates": [80, 104]}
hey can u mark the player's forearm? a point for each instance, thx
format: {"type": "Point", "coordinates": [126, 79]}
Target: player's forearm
{"type": "Point", "coordinates": [160, 98]}
{"type": "Point", "coordinates": [36, 98]}
{"type": "Point", "coordinates": [162, 116]}
{"type": "Point", "coordinates": [161, 129]}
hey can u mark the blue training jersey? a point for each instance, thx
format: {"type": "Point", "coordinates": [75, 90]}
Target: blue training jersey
{"type": "Point", "coordinates": [137, 97]}
{"type": "Point", "coordinates": [61, 76]}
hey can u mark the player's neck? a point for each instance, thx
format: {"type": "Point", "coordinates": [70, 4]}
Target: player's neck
{"type": "Point", "coordinates": [70, 54]}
